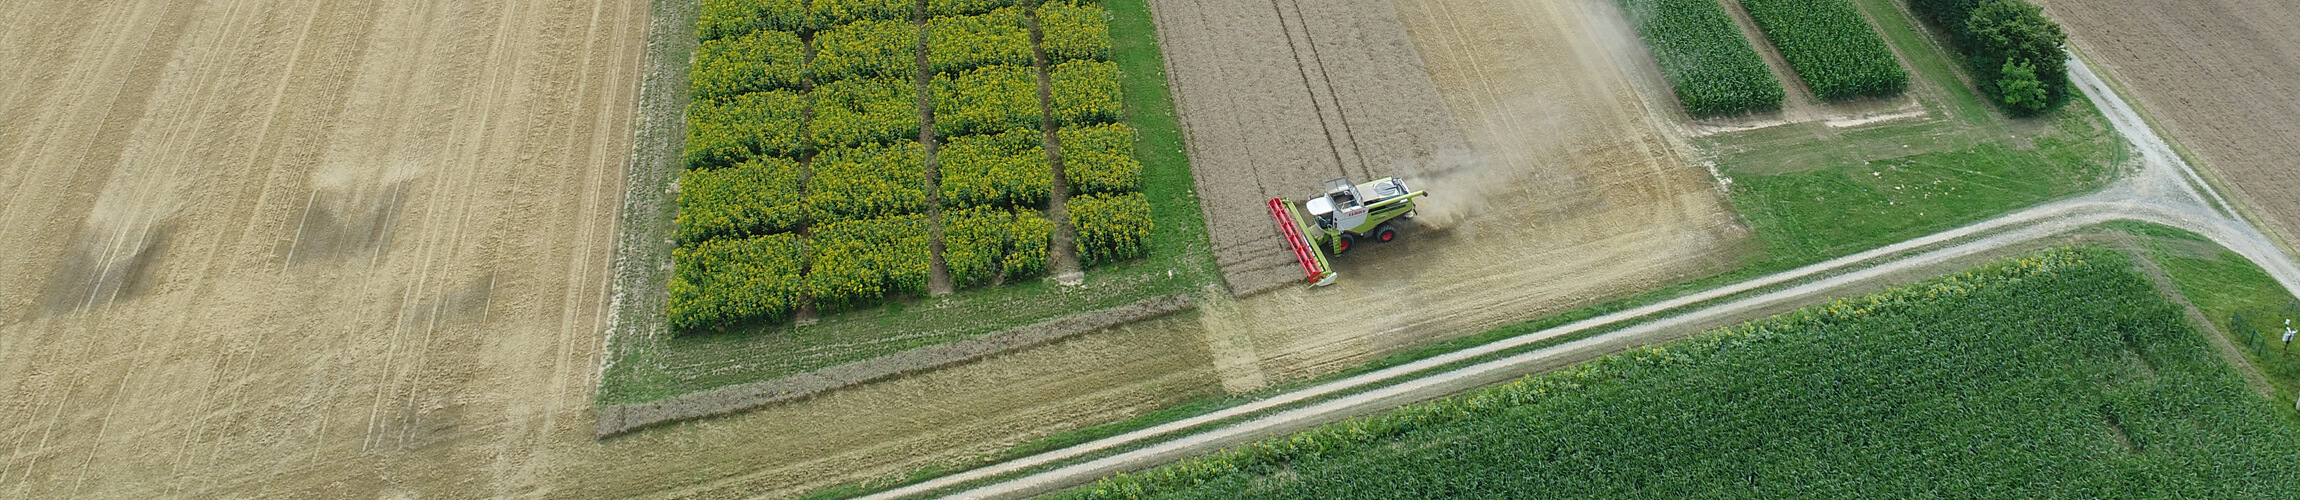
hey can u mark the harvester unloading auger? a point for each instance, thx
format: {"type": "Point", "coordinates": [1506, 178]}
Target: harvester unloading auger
{"type": "Point", "coordinates": [1339, 218]}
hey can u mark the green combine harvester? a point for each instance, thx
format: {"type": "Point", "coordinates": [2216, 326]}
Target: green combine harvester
{"type": "Point", "coordinates": [1339, 218]}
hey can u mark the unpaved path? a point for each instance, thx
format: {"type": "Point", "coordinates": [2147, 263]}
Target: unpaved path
{"type": "Point", "coordinates": [2164, 191]}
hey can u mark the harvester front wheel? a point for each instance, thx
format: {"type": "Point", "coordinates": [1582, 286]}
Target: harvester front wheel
{"type": "Point", "coordinates": [1386, 234]}
{"type": "Point", "coordinates": [1343, 243]}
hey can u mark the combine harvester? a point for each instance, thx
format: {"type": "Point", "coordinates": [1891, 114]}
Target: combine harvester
{"type": "Point", "coordinates": [1339, 218]}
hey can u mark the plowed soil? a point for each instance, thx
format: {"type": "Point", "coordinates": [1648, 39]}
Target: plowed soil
{"type": "Point", "coordinates": [1553, 183]}
{"type": "Point", "coordinates": [2220, 77]}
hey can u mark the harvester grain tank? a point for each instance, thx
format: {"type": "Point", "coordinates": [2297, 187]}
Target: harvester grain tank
{"type": "Point", "coordinates": [1333, 222]}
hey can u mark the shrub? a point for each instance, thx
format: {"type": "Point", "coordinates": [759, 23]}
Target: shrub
{"type": "Point", "coordinates": [1100, 158]}
{"type": "Point", "coordinates": [724, 282]}
{"type": "Point", "coordinates": [2005, 34]}
{"type": "Point", "coordinates": [858, 262]}
{"type": "Point", "coordinates": [744, 127]}
{"type": "Point", "coordinates": [1111, 227]}
{"type": "Point", "coordinates": [1073, 31]}
{"type": "Point", "coordinates": [946, 8]}
{"type": "Point", "coordinates": [999, 169]}
{"type": "Point", "coordinates": [833, 13]}
{"type": "Point", "coordinates": [1832, 48]}
{"type": "Point", "coordinates": [959, 43]}
{"type": "Point", "coordinates": [974, 243]}
{"type": "Point", "coordinates": [1994, 35]}
{"type": "Point", "coordinates": [867, 49]}
{"type": "Point", "coordinates": [726, 18]}
{"type": "Point", "coordinates": [857, 112]}
{"type": "Point", "coordinates": [761, 60]}
{"type": "Point", "coordinates": [2019, 90]}
{"type": "Point", "coordinates": [758, 197]}
{"type": "Point", "coordinates": [1707, 61]}
{"type": "Point", "coordinates": [1085, 92]}
{"type": "Point", "coordinates": [1028, 240]}
{"type": "Point", "coordinates": [867, 182]}
{"type": "Point", "coordinates": [986, 101]}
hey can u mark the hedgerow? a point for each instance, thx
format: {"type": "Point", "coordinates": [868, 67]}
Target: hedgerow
{"type": "Point", "coordinates": [1008, 168]}
{"type": "Point", "coordinates": [867, 182]}
{"type": "Point", "coordinates": [959, 43]}
{"type": "Point", "coordinates": [941, 8]}
{"type": "Point", "coordinates": [1832, 48]}
{"type": "Point", "coordinates": [1111, 227]}
{"type": "Point", "coordinates": [1085, 92]}
{"type": "Point", "coordinates": [829, 14]}
{"type": "Point", "coordinates": [870, 111]}
{"type": "Point", "coordinates": [735, 65]}
{"type": "Point", "coordinates": [724, 282]}
{"type": "Point", "coordinates": [858, 262]}
{"type": "Point", "coordinates": [745, 127]}
{"type": "Point", "coordinates": [2013, 51]}
{"type": "Point", "coordinates": [867, 49]}
{"type": "Point", "coordinates": [757, 197]}
{"type": "Point", "coordinates": [725, 18]}
{"type": "Point", "coordinates": [1712, 68]}
{"type": "Point", "coordinates": [986, 101]}
{"type": "Point", "coordinates": [1029, 239]}
{"type": "Point", "coordinates": [1100, 158]}
{"type": "Point", "coordinates": [1073, 31]}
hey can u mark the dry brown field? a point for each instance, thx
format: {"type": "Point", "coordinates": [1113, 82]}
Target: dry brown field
{"type": "Point", "coordinates": [2221, 78]}
{"type": "Point", "coordinates": [264, 248]}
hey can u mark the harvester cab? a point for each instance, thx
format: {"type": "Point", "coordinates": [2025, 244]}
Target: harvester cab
{"type": "Point", "coordinates": [1339, 218]}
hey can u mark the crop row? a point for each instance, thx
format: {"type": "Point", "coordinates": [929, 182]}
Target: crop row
{"type": "Point", "coordinates": [1832, 48]}
{"type": "Point", "coordinates": [980, 244]}
{"type": "Point", "coordinates": [1709, 64]}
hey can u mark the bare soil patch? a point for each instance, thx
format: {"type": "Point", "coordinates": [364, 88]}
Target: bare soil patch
{"type": "Point", "coordinates": [2217, 76]}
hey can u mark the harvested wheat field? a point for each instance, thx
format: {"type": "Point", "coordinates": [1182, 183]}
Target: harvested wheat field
{"type": "Point", "coordinates": [268, 248]}
{"type": "Point", "coordinates": [2221, 77]}
{"type": "Point", "coordinates": [359, 249]}
{"type": "Point", "coordinates": [1553, 183]}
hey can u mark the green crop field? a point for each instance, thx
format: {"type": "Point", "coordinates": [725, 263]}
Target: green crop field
{"type": "Point", "coordinates": [1712, 68]}
{"type": "Point", "coordinates": [1833, 50]}
{"type": "Point", "coordinates": [2060, 374]}
{"type": "Point", "coordinates": [1812, 191]}
{"type": "Point", "coordinates": [844, 189]}
{"type": "Point", "coordinates": [2244, 302]}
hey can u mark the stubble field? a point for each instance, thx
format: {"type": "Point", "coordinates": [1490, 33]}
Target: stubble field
{"type": "Point", "coordinates": [266, 248]}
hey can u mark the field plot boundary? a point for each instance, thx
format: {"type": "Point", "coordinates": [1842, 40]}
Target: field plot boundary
{"type": "Point", "coordinates": [617, 419]}
{"type": "Point", "coordinates": [645, 364]}
{"type": "Point", "coordinates": [2165, 191]}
